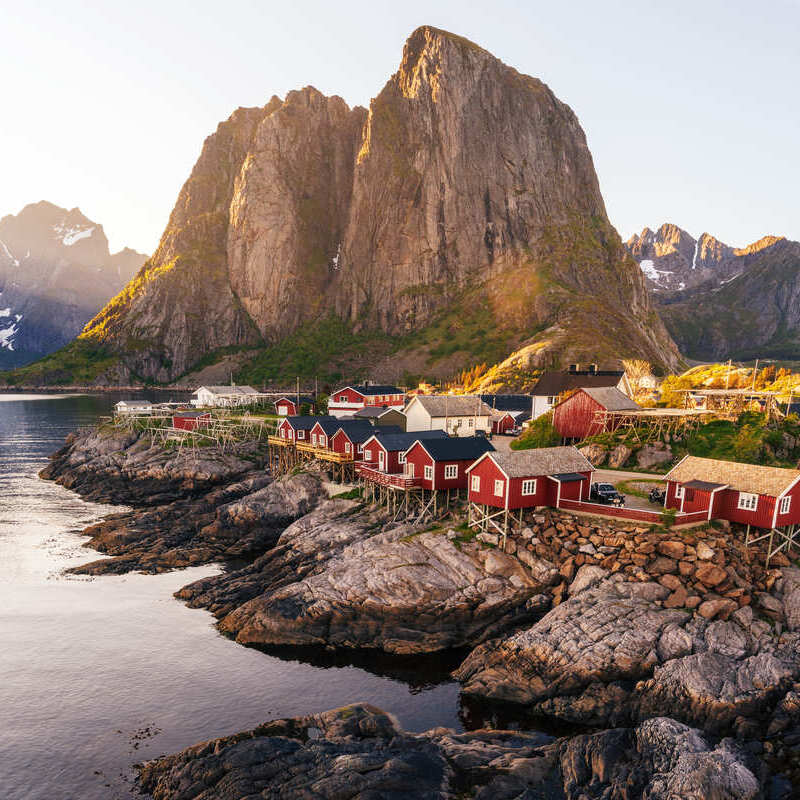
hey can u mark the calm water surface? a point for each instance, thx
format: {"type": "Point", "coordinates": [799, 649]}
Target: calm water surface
{"type": "Point", "coordinates": [99, 673]}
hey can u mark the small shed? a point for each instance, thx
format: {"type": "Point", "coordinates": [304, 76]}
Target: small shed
{"type": "Point", "coordinates": [191, 420]}
{"type": "Point", "coordinates": [289, 406]}
{"type": "Point", "coordinates": [577, 416]}
{"type": "Point", "coordinates": [442, 463]}
{"type": "Point", "coordinates": [528, 478]}
{"type": "Point", "coordinates": [387, 450]}
{"type": "Point", "coordinates": [751, 494]}
{"type": "Point", "coordinates": [141, 407]}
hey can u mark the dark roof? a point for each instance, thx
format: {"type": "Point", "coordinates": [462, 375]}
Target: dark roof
{"type": "Point", "coordinates": [553, 383]}
{"type": "Point", "coordinates": [305, 422]}
{"type": "Point", "coordinates": [508, 402]}
{"type": "Point", "coordinates": [372, 389]}
{"type": "Point", "coordinates": [304, 398]}
{"type": "Point", "coordinates": [568, 477]}
{"type": "Point", "coordinates": [402, 441]}
{"type": "Point", "coordinates": [358, 432]}
{"type": "Point", "coordinates": [704, 486]}
{"type": "Point", "coordinates": [332, 424]}
{"type": "Point", "coordinates": [456, 449]}
{"type": "Point", "coordinates": [190, 414]}
{"type": "Point", "coordinates": [373, 412]}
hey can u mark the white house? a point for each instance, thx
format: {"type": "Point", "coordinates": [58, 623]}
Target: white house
{"type": "Point", "coordinates": [140, 407]}
{"type": "Point", "coordinates": [553, 385]}
{"type": "Point", "coordinates": [459, 415]}
{"type": "Point", "coordinates": [224, 396]}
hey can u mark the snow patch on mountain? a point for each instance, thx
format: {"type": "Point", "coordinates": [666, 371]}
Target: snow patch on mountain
{"type": "Point", "coordinates": [649, 269]}
{"type": "Point", "coordinates": [69, 236]}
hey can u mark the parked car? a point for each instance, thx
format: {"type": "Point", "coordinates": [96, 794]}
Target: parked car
{"type": "Point", "coordinates": [606, 494]}
{"type": "Point", "coordinates": [657, 496]}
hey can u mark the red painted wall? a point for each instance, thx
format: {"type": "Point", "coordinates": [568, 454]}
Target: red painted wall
{"type": "Point", "coordinates": [392, 464]}
{"type": "Point", "coordinates": [574, 417]}
{"type": "Point", "coordinates": [317, 431]}
{"type": "Point", "coordinates": [190, 423]}
{"type": "Point", "coordinates": [419, 458]}
{"type": "Point", "coordinates": [503, 425]}
{"type": "Point", "coordinates": [288, 407]}
{"type": "Point", "coordinates": [285, 430]}
{"type": "Point", "coordinates": [792, 517]}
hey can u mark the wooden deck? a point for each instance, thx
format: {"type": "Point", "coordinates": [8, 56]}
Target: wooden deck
{"type": "Point", "coordinates": [324, 454]}
{"type": "Point", "coordinates": [395, 481]}
{"type": "Point", "coordinates": [280, 441]}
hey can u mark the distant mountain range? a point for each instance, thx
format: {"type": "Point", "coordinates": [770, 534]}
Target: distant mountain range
{"type": "Point", "coordinates": [56, 272]}
{"type": "Point", "coordinates": [722, 302]}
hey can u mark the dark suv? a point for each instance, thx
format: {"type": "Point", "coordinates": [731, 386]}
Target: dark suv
{"type": "Point", "coordinates": [605, 493]}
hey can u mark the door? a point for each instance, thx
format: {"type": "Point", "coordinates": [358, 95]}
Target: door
{"type": "Point", "coordinates": [381, 460]}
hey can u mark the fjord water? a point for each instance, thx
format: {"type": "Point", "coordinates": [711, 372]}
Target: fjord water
{"type": "Point", "coordinates": [99, 673]}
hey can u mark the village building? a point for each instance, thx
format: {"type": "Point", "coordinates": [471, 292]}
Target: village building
{"type": "Point", "coordinates": [382, 416]}
{"type": "Point", "coordinates": [348, 400]}
{"type": "Point", "coordinates": [290, 406]}
{"type": "Point", "coordinates": [441, 464]}
{"type": "Point", "coordinates": [386, 451]}
{"type": "Point", "coordinates": [224, 396]}
{"type": "Point", "coordinates": [554, 385]}
{"type": "Point", "coordinates": [351, 435]}
{"type": "Point", "coordinates": [191, 420]}
{"type": "Point", "coordinates": [581, 414]}
{"type": "Point", "coordinates": [325, 427]}
{"type": "Point", "coordinates": [509, 411]}
{"type": "Point", "coordinates": [528, 478]}
{"type": "Point", "coordinates": [138, 407]}
{"type": "Point", "coordinates": [750, 494]}
{"type": "Point", "coordinates": [298, 428]}
{"type": "Point", "coordinates": [458, 415]}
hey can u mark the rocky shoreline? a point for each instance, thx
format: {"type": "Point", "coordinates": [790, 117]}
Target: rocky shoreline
{"type": "Point", "coordinates": [578, 620]}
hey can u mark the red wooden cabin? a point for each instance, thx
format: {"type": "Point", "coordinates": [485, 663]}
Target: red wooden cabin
{"type": "Point", "coordinates": [575, 418]}
{"type": "Point", "coordinates": [191, 420]}
{"type": "Point", "coordinates": [386, 450]}
{"type": "Point", "coordinates": [298, 429]}
{"type": "Point", "coordinates": [288, 406]}
{"type": "Point", "coordinates": [442, 463]}
{"type": "Point", "coordinates": [751, 494]}
{"type": "Point", "coordinates": [529, 478]}
{"type": "Point", "coordinates": [503, 422]}
{"type": "Point", "coordinates": [349, 399]}
{"type": "Point", "coordinates": [351, 435]}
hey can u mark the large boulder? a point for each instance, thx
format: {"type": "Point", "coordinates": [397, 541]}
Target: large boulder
{"type": "Point", "coordinates": [653, 455]}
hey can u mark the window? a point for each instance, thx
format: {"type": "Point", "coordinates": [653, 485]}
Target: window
{"type": "Point", "coordinates": [551, 401]}
{"type": "Point", "coordinates": [410, 469]}
{"type": "Point", "coordinates": [360, 448]}
{"type": "Point", "coordinates": [450, 472]}
{"type": "Point", "coordinates": [679, 492]}
{"type": "Point", "coordinates": [529, 486]}
{"type": "Point", "coordinates": [401, 458]}
{"type": "Point", "coordinates": [748, 502]}
{"type": "Point", "coordinates": [471, 422]}
{"type": "Point", "coordinates": [322, 440]}
{"type": "Point", "coordinates": [368, 455]}
{"type": "Point", "coordinates": [313, 438]}
{"type": "Point", "coordinates": [498, 488]}
{"type": "Point", "coordinates": [475, 483]}
{"type": "Point", "coordinates": [342, 398]}
{"type": "Point", "coordinates": [785, 503]}
{"type": "Point", "coordinates": [428, 472]}
{"type": "Point", "coordinates": [283, 433]}
{"type": "Point", "coordinates": [347, 447]}
{"type": "Point", "coordinates": [301, 434]}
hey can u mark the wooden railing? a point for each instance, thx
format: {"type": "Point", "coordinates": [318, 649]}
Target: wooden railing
{"type": "Point", "coordinates": [634, 514]}
{"type": "Point", "coordinates": [323, 453]}
{"type": "Point", "coordinates": [374, 475]}
{"type": "Point", "coordinates": [280, 441]}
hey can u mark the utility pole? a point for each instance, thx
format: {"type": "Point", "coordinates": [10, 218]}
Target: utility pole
{"type": "Point", "coordinates": [755, 372]}
{"type": "Point", "coordinates": [728, 375]}
{"type": "Point", "coordinates": [298, 394]}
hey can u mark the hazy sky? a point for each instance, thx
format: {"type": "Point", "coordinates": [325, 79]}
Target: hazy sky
{"type": "Point", "coordinates": [690, 108]}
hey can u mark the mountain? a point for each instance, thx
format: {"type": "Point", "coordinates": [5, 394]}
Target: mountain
{"type": "Point", "coordinates": [56, 272]}
{"type": "Point", "coordinates": [755, 314]}
{"type": "Point", "coordinates": [457, 219]}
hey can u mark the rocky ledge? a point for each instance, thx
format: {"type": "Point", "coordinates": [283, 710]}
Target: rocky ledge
{"type": "Point", "coordinates": [360, 752]}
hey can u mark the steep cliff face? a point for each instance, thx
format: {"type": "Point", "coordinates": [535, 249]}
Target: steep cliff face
{"type": "Point", "coordinates": [290, 208]}
{"type": "Point", "coordinates": [56, 272]}
{"type": "Point", "coordinates": [462, 207]}
{"type": "Point", "coordinates": [755, 314]}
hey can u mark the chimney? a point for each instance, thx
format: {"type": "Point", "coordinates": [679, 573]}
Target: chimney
{"type": "Point", "coordinates": [593, 369]}
{"type": "Point", "coordinates": [573, 368]}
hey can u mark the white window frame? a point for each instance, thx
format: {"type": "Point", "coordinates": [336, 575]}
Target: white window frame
{"type": "Point", "coordinates": [499, 487]}
{"type": "Point", "coordinates": [360, 448]}
{"type": "Point", "coordinates": [342, 398]}
{"type": "Point", "coordinates": [428, 472]}
{"type": "Point", "coordinates": [785, 504]}
{"type": "Point", "coordinates": [401, 458]}
{"type": "Point", "coordinates": [347, 447]}
{"type": "Point", "coordinates": [410, 469]}
{"type": "Point", "coordinates": [679, 492]}
{"type": "Point", "coordinates": [450, 472]}
{"type": "Point", "coordinates": [475, 483]}
{"type": "Point", "coordinates": [529, 487]}
{"type": "Point", "coordinates": [283, 433]}
{"type": "Point", "coordinates": [323, 440]}
{"type": "Point", "coordinates": [747, 501]}
{"type": "Point", "coordinates": [301, 434]}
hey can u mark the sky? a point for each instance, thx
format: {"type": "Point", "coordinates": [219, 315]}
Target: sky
{"type": "Point", "coordinates": [690, 109]}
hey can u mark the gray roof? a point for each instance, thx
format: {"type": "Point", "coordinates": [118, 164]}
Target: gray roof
{"type": "Point", "coordinates": [373, 412]}
{"type": "Point", "coordinates": [458, 405]}
{"type": "Point", "coordinates": [753, 478]}
{"type": "Point", "coordinates": [542, 461]}
{"type": "Point", "coordinates": [229, 389]}
{"type": "Point", "coordinates": [611, 398]}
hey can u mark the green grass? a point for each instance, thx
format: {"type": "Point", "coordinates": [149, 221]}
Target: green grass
{"type": "Point", "coordinates": [78, 363]}
{"type": "Point", "coordinates": [352, 494]}
{"type": "Point", "coordinates": [628, 487]}
{"type": "Point", "coordinates": [540, 433]}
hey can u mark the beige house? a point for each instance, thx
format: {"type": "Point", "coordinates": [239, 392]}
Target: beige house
{"type": "Point", "coordinates": [458, 415]}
